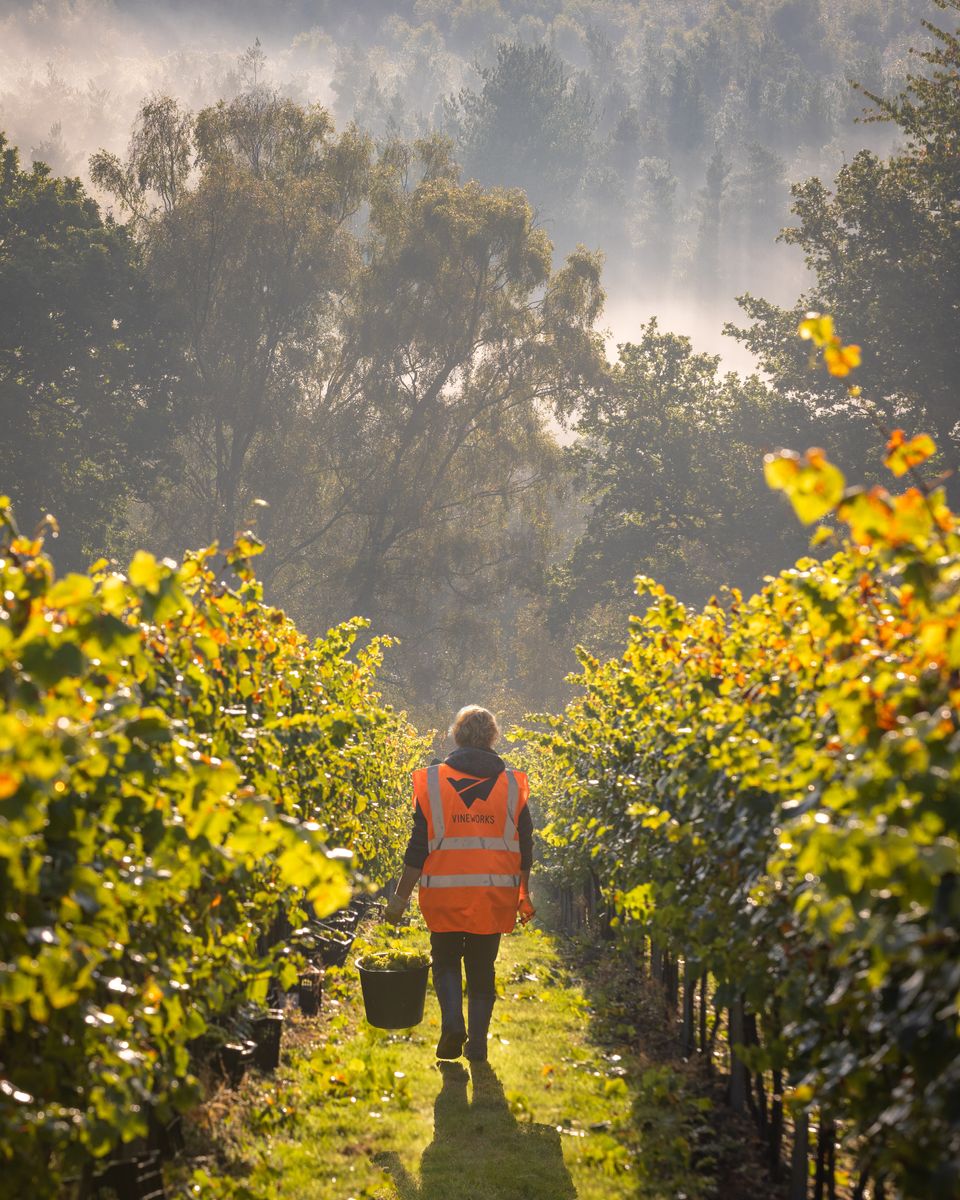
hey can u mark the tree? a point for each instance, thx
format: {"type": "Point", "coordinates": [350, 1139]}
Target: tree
{"type": "Point", "coordinates": [711, 204]}
{"type": "Point", "coordinates": [380, 379]}
{"type": "Point", "coordinates": [158, 163]}
{"type": "Point", "coordinates": [251, 259]}
{"type": "Point", "coordinates": [87, 389]}
{"type": "Point", "coordinates": [686, 116]}
{"type": "Point", "coordinates": [531, 125]}
{"type": "Point", "coordinates": [670, 455]}
{"type": "Point", "coordinates": [757, 204]}
{"type": "Point", "coordinates": [884, 248]}
{"type": "Point", "coordinates": [657, 215]}
{"type": "Point", "coordinates": [431, 460]}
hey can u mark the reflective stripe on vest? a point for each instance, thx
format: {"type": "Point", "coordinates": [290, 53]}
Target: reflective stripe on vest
{"type": "Point", "coordinates": [513, 799]}
{"type": "Point", "coordinates": [436, 805]}
{"type": "Point", "coordinates": [473, 843]}
{"type": "Point", "coordinates": [465, 881]}
{"type": "Point", "coordinates": [510, 839]}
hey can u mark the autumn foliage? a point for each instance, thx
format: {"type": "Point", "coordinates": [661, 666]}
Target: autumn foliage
{"type": "Point", "coordinates": [770, 787]}
{"type": "Point", "coordinates": [180, 766]}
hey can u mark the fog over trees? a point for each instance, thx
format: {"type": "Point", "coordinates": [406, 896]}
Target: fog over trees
{"type": "Point", "coordinates": [667, 134]}
{"type": "Point", "coordinates": [433, 296]}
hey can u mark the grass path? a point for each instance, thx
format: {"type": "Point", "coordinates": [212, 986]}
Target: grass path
{"type": "Point", "coordinates": [565, 1109]}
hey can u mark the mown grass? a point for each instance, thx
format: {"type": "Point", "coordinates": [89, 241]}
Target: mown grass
{"type": "Point", "coordinates": [561, 1111]}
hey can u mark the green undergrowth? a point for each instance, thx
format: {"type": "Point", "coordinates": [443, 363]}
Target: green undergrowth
{"type": "Point", "coordinates": [569, 1106]}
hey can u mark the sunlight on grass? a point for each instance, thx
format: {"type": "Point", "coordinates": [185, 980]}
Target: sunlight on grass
{"type": "Point", "coordinates": [372, 1115]}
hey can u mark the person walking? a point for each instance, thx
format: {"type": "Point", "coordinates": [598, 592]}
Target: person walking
{"type": "Point", "coordinates": [471, 849]}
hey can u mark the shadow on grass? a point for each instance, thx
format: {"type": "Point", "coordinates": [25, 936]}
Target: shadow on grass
{"type": "Point", "coordinates": [480, 1150]}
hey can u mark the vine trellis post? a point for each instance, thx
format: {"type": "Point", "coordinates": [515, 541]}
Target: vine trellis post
{"type": "Point", "coordinates": [686, 986]}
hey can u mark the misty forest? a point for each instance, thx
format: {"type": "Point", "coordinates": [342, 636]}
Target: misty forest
{"type": "Point", "coordinates": [591, 361]}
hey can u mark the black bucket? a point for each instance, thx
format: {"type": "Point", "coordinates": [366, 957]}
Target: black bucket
{"type": "Point", "coordinates": [394, 999]}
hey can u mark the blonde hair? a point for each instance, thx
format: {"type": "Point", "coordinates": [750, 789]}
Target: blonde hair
{"type": "Point", "coordinates": [475, 727]}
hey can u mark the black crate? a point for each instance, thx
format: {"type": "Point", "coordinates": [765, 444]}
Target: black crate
{"type": "Point", "coordinates": [267, 1033]}
{"type": "Point", "coordinates": [139, 1178]}
{"type": "Point", "coordinates": [166, 1137]}
{"type": "Point", "coordinates": [309, 991]}
{"type": "Point", "coordinates": [235, 1059]}
{"type": "Point", "coordinates": [333, 945]}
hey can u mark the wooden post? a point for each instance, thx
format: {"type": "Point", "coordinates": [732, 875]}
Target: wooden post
{"type": "Point", "coordinates": [85, 1186]}
{"type": "Point", "coordinates": [689, 984]}
{"type": "Point", "coordinates": [752, 1031]}
{"type": "Point", "coordinates": [738, 1072]}
{"type": "Point", "coordinates": [798, 1160]}
{"type": "Point", "coordinates": [704, 989]}
{"type": "Point", "coordinates": [820, 1174]}
{"type": "Point", "coordinates": [714, 1033]}
{"type": "Point", "coordinates": [825, 1178]}
{"type": "Point", "coordinates": [776, 1123]}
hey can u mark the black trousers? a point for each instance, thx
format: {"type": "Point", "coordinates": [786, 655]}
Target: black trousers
{"type": "Point", "coordinates": [478, 951]}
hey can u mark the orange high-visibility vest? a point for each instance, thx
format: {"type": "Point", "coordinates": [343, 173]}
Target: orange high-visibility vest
{"type": "Point", "coordinates": [471, 879]}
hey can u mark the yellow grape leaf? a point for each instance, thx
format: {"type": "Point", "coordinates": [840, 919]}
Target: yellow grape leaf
{"type": "Point", "coordinates": [913, 518]}
{"type": "Point", "coordinates": [638, 902]}
{"type": "Point", "coordinates": [817, 329]}
{"type": "Point", "coordinates": [71, 590]}
{"type": "Point", "coordinates": [145, 572]}
{"type": "Point", "coordinates": [903, 455]}
{"type": "Point", "coordinates": [814, 485]}
{"type": "Point", "coordinates": [780, 470]}
{"type": "Point", "coordinates": [841, 359]}
{"type": "Point", "coordinates": [877, 516]}
{"type": "Point", "coordinates": [152, 994]}
{"type": "Point", "coordinates": [942, 513]}
{"type": "Point", "coordinates": [869, 514]}
{"type": "Point", "coordinates": [818, 492]}
{"type": "Point", "coordinates": [933, 639]}
{"type": "Point", "coordinates": [247, 545]}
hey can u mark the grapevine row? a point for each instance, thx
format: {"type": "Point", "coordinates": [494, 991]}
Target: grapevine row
{"type": "Point", "coordinates": [770, 789]}
{"type": "Point", "coordinates": [179, 766]}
